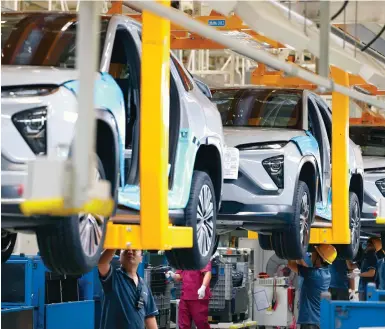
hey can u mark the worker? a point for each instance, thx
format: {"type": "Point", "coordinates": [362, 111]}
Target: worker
{"type": "Point", "coordinates": [341, 287]}
{"type": "Point", "coordinates": [194, 299]}
{"type": "Point", "coordinates": [380, 253]}
{"type": "Point", "coordinates": [316, 280]}
{"type": "Point", "coordinates": [367, 270]}
{"type": "Point", "coordinates": [128, 302]}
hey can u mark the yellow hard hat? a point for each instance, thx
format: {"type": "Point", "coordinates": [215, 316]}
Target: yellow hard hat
{"type": "Point", "coordinates": [327, 252]}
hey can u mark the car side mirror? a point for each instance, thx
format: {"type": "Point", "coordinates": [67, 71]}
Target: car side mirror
{"type": "Point", "coordinates": [204, 88]}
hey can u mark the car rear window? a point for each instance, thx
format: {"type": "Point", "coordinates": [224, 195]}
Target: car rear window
{"type": "Point", "coordinates": [42, 39]}
{"type": "Point", "coordinates": [268, 108]}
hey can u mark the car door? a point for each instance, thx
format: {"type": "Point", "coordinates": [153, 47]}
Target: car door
{"type": "Point", "coordinates": [323, 139]}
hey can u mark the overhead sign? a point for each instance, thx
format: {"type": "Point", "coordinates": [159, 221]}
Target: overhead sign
{"type": "Point", "coordinates": [217, 22]}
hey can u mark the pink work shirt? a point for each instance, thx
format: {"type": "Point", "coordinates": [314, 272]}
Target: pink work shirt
{"type": "Point", "coordinates": [192, 281]}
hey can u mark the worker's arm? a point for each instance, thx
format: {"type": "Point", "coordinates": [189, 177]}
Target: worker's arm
{"type": "Point", "coordinates": [350, 265]}
{"type": "Point", "coordinates": [206, 279]}
{"type": "Point", "coordinates": [104, 261]}
{"type": "Point", "coordinates": [368, 274]}
{"type": "Point", "coordinates": [150, 323]}
{"type": "Point", "coordinates": [292, 264]}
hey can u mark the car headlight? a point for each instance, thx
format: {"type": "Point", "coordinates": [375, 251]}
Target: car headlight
{"type": "Point", "coordinates": [274, 167]}
{"type": "Point", "coordinates": [27, 91]}
{"type": "Point", "coordinates": [261, 146]}
{"type": "Point", "coordinates": [381, 185]}
{"type": "Point", "coordinates": [32, 125]}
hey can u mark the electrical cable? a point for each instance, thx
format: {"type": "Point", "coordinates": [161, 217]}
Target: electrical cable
{"type": "Point", "coordinates": [373, 40]}
{"type": "Point", "coordinates": [339, 12]}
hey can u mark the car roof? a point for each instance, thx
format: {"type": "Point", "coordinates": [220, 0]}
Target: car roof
{"type": "Point", "coordinates": [71, 16]}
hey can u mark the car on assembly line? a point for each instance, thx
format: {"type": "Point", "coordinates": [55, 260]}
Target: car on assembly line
{"type": "Point", "coordinates": [284, 179]}
{"type": "Point", "coordinates": [39, 90]}
{"type": "Point", "coordinates": [371, 139]}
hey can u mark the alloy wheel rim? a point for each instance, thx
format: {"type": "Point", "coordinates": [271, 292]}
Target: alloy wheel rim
{"type": "Point", "coordinates": [355, 223]}
{"type": "Point", "coordinates": [304, 219]}
{"type": "Point", "coordinates": [205, 223]}
{"type": "Point", "coordinates": [91, 229]}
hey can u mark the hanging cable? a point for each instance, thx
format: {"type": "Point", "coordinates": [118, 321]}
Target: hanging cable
{"type": "Point", "coordinates": [340, 10]}
{"type": "Point", "coordinates": [373, 40]}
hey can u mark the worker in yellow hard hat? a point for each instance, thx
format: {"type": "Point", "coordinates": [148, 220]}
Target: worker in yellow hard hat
{"type": "Point", "coordinates": [316, 280]}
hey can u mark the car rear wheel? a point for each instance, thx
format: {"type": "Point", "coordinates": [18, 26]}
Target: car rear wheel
{"type": "Point", "coordinates": [349, 251]}
{"type": "Point", "coordinates": [293, 243]}
{"type": "Point", "coordinates": [8, 241]}
{"type": "Point", "coordinates": [72, 245]}
{"type": "Point", "coordinates": [201, 215]}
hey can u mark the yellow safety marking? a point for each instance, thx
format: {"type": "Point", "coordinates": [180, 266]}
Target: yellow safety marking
{"type": "Point", "coordinates": [339, 233]}
{"type": "Point", "coordinates": [252, 235]}
{"type": "Point", "coordinates": [380, 220]}
{"type": "Point", "coordinates": [56, 207]}
{"type": "Point", "coordinates": [130, 236]}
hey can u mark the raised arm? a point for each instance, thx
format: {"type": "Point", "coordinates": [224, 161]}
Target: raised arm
{"type": "Point", "coordinates": [105, 260]}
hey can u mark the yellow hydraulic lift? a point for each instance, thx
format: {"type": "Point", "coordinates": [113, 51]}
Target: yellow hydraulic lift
{"type": "Point", "coordinates": [154, 231]}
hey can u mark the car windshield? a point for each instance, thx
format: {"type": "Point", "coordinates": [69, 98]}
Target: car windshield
{"type": "Point", "coordinates": [267, 108]}
{"type": "Point", "coordinates": [370, 139]}
{"type": "Point", "coordinates": [41, 39]}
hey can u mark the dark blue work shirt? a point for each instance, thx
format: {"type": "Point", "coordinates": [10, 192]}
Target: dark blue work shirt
{"type": "Point", "coordinates": [339, 274]}
{"type": "Point", "coordinates": [315, 281]}
{"type": "Point", "coordinates": [125, 305]}
{"type": "Point", "coordinates": [380, 273]}
{"type": "Point", "coordinates": [369, 262]}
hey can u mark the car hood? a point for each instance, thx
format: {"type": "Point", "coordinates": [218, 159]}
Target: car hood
{"type": "Point", "coordinates": [243, 135]}
{"type": "Point", "coordinates": [373, 162]}
{"type": "Point", "coordinates": [35, 75]}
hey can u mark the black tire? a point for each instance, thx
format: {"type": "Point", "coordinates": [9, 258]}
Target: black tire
{"type": "Point", "coordinates": [8, 241]}
{"type": "Point", "coordinates": [293, 243]}
{"type": "Point", "coordinates": [64, 249]}
{"type": "Point", "coordinates": [349, 251]}
{"type": "Point", "coordinates": [197, 257]}
{"type": "Point", "coordinates": [216, 244]}
{"type": "Point", "coordinates": [265, 241]}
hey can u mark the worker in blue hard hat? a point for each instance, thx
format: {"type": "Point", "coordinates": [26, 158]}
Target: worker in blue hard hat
{"type": "Point", "coordinates": [316, 280]}
{"type": "Point", "coordinates": [367, 270]}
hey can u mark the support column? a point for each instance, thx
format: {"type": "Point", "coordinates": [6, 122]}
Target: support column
{"type": "Point", "coordinates": [154, 127]}
{"type": "Point", "coordinates": [340, 160]}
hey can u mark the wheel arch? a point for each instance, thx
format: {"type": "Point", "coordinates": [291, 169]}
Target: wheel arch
{"type": "Point", "coordinates": [308, 173]}
{"type": "Point", "coordinates": [356, 185]}
{"type": "Point", "coordinates": [208, 159]}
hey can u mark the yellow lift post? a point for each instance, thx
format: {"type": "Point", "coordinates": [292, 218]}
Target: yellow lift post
{"type": "Point", "coordinates": [339, 232]}
{"type": "Point", "coordinates": [154, 231]}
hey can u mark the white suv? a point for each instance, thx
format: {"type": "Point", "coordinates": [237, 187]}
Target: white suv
{"type": "Point", "coordinates": [39, 111]}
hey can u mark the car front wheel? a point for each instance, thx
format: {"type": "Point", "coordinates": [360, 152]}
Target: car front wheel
{"type": "Point", "coordinates": [72, 245]}
{"type": "Point", "coordinates": [201, 215]}
{"type": "Point", "coordinates": [293, 243]}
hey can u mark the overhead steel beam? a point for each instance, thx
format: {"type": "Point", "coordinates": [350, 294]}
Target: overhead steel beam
{"type": "Point", "coordinates": [369, 11]}
{"type": "Point", "coordinates": [258, 55]}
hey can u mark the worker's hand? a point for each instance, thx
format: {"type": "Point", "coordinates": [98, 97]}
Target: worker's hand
{"type": "Point", "coordinates": [170, 274]}
{"type": "Point", "coordinates": [354, 274]}
{"type": "Point", "coordinates": [353, 296]}
{"type": "Point", "coordinates": [202, 292]}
